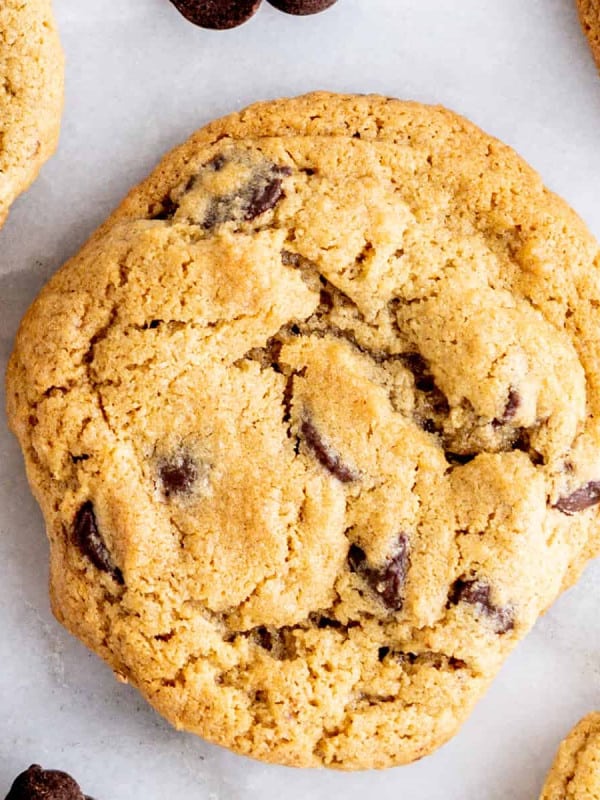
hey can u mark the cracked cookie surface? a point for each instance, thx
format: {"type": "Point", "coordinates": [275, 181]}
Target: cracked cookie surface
{"type": "Point", "coordinates": [31, 94]}
{"type": "Point", "coordinates": [575, 774]}
{"type": "Point", "coordinates": [313, 420]}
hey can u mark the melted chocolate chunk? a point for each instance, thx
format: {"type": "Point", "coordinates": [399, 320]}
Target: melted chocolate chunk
{"type": "Point", "coordinates": [477, 593]}
{"type": "Point", "coordinates": [325, 455]}
{"type": "Point", "coordinates": [91, 544]}
{"type": "Point", "coordinates": [584, 497]}
{"type": "Point", "coordinates": [301, 8]}
{"type": "Point", "coordinates": [217, 14]}
{"type": "Point", "coordinates": [259, 195]}
{"type": "Point", "coordinates": [178, 475]}
{"type": "Point", "coordinates": [387, 581]}
{"type": "Point", "coordinates": [265, 193]}
{"type": "Point", "coordinates": [45, 784]}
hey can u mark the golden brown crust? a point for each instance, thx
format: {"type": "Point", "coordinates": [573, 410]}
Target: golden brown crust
{"type": "Point", "coordinates": [575, 774]}
{"type": "Point", "coordinates": [31, 94]}
{"type": "Point", "coordinates": [313, 422]}
{"type": "Point", "coordinates": [589, 14]}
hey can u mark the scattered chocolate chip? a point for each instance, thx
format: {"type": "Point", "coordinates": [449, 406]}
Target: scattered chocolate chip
{"type": "Point", "coordinates": [387, 581]}
{"type": "Point", "coordinates": [477, 593]}
{"type": "Point", "coordinates": [45, 784]}
{"type": "Point", "coordinates": [584, 497]}
{"type": "Point", "coordinates": [217, 14]}
{"type": "Point", "coordinates": [77, 459]}
{"type": "Point", "coordinates": [178, 475]}
{"type": "Point", "coordinates": [91, 544]}
{"type": "Point", "coordinates": [325, 455]}
{"type": "Point", "coordinates": [301, 8]}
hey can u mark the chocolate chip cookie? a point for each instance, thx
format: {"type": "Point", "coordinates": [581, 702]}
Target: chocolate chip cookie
{"type": "Point", "coordinates": [575, 774]}
{"type": "Point", "coordinates": [314, 422]}
{"type": "Point", "coordinates": [31, 94]}
{"type": "Point", "coordinates": [589, 14]}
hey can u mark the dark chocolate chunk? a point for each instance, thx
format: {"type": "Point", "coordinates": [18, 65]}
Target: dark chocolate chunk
{"type": "Point", "coordinates": [265, 193]}
{"type": "Point", "coordinates": [478, 593]}
{"type": "Point", "coordinates": [259, 195]}
{"type": "Point", "coordinates": [91, 544]}
{"type": "Point", "coordinates": [217, 14]}
{"type": "Point", "coordinates": [178, 475]}
{"type": "Point", "coordinates": [584, 497]}
{"type": "Point", "coordinates": [301, 8]}
{"type": "Point", "coordinates": [45, 784]}
{"type": "Point", "coordinates": [325, 455]}
{"type": "Point", "coordinates": [387, 581]}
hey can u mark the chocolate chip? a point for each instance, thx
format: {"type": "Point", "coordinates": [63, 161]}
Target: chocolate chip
{"type": "Point", "coordinates": [44, 784]}
{"type": "Point", "coordinates": [265, 193]}
{"type": "Point", "coordinates": [262, 193]}
{"type": "Point", "coordinates": [217, 14]}
{"type": "Point", "coordinates": [91, 543]}
{"type": "Point", "coordinates": [178, 475]}
{"type": "Point", "coordinates": [382, 653]}
{"type": "Point", "coordinates": [584, 497]}
{"type": "Point", "coordinates": [387, 581]}
{"type": "Point", "coordinates": [301, 8]}
{"type": "Point", "coordinates": [325, 455]}
{"type": "Point", "coordinates": [477, 593]}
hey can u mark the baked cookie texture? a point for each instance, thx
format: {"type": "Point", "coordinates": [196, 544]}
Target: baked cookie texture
{"type": "Point", "coordinates": [575, 774]}
{"type": "Point", "coordinates": [31, 94]}
{"type": "Point", "coordinates": [589, 14]}
{"type": "Point", "coordinates": [313, 420]}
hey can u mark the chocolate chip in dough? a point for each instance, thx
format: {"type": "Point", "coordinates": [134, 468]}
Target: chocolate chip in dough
{"type": "Point", "coordinates": [91, 543]}
{"type": "Point", "coordinates": [584, 497]}
{"type": "Point", "coordinates": [477, 593]}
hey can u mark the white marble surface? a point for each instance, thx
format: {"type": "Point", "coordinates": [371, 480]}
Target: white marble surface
{"type": "Point", "coordinates": [139, 80]}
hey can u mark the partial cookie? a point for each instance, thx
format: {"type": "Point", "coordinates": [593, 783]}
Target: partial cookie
{"type": "Point", "coordinates": [589, 14]}
{"type": "Point", "coordinates": [313, 420]}
{"type": "Point", "coordinates": [31, 94]}
{"type": "Point", "coordinates": [575, 774]}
